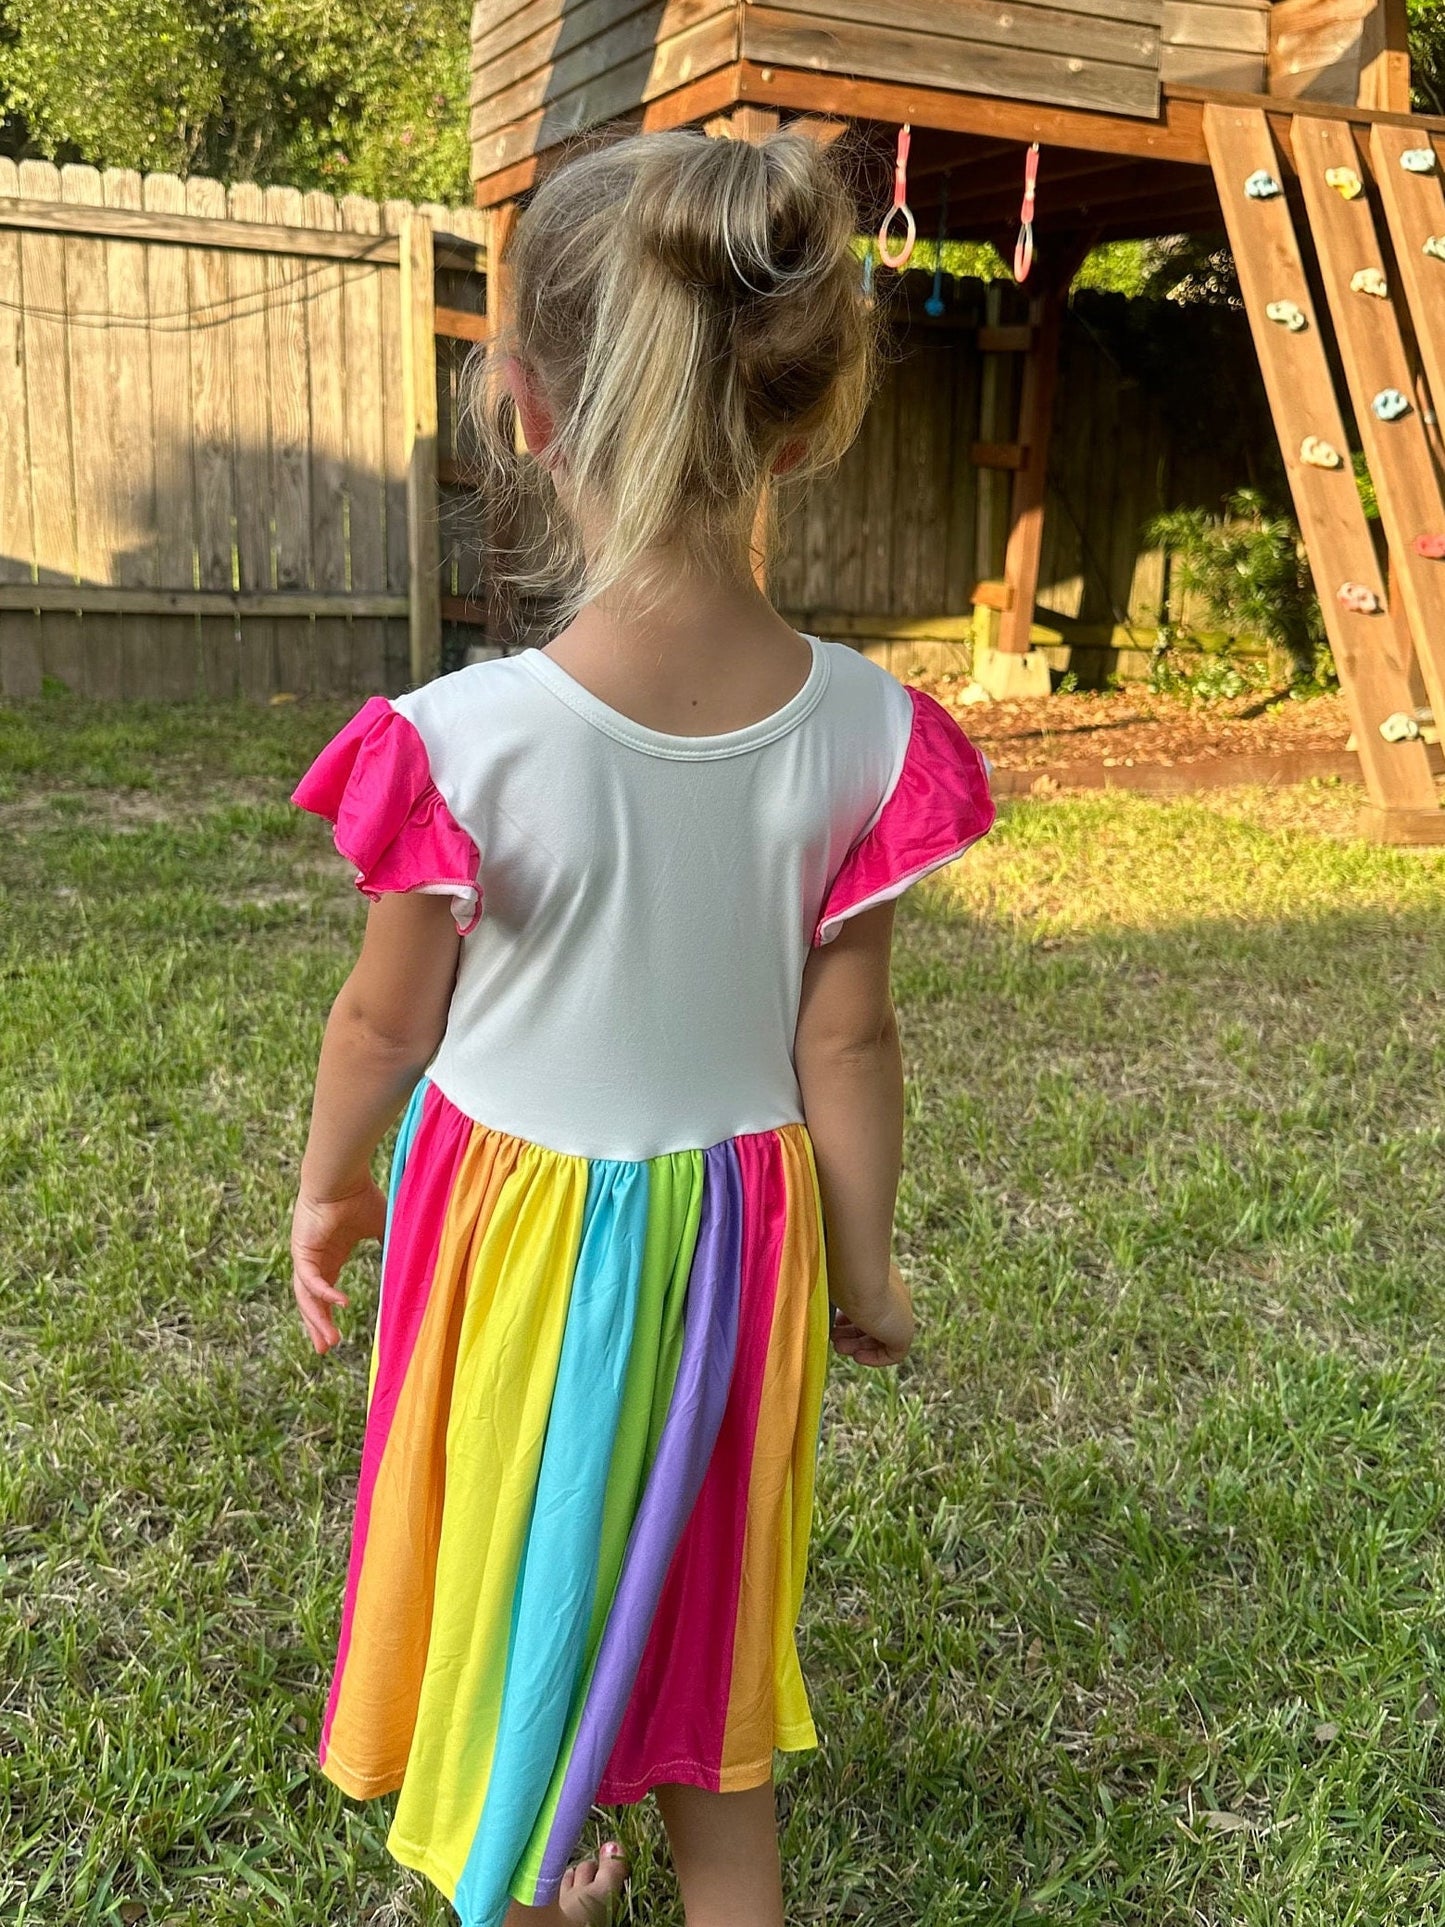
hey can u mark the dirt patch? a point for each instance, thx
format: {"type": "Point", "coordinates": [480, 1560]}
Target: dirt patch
{"type": "Point", "coordinates": [1126, 728]}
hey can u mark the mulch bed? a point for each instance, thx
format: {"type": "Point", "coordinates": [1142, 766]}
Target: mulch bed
{"type": "Point", "coordinates": [1130, 739]}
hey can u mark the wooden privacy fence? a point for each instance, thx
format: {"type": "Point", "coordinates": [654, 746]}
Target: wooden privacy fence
{"type": "Point", "coordinates": [220, 415]}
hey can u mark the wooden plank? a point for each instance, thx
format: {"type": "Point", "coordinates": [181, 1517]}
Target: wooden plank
{"type": "Point", "coordinates": [290, 377]}
{"type": "Point", "coordinates": [1205, 67]}
{"type": "Point", "coordinates": [94, 599]}
{"type": "Point", "coordinates": [1385, 57]}
{"type": "Point", "coordinates": [1036, 413]}
{"type": "Point", "coordinates": [1006, 341]}
{"type": "Point", "coordinates": [20, 665]}
{"type": "Point", "coordinates": [1093, 37]}
{"type": "Point", "coordinates": [1374, 674]}
{"type": "Point", "coordinates": [540, 111]}
{"type": "Point", "coordinates": [251, 406]}
{"type": "Point", "coordinates": [774, 37]}
{"type": "Point", "coordinates": [1316, 48]}
{"type": "Point", "coordinates": [1223, 29]}
{"type": "Point", "coordinates": [677, 61]}
{"type": "Point", "coordinates": [88, 388]}
{"type": "Point", "coordinates": [365, 445]}
{"type": "Point", "coordinates": [594, 38]}
{"type": "Point", "coordinates": [456, 324]}
{"type": "Point", "coordinates": [1012, 455]}
{"type": "Point", "coordinates": [240, 233]}
{"type": "Point", "coordinates": [150, 662]}
{"type": "Point", "coordinates": [963, 477]}
{"type": "Point", "coordinates": [1414, 206]}
{"type": "Point", "coordinates": [397, 662]}
{"type": "Point", "coordinates": [1176, 133]}
{"type": "Point", "coordinates": [418, 348]}
{"type": "Point", "coordinates": [331, 672]}
{"type": "Point", "coordinates": [48, 423]}
{"type": "Point", "coordinates": [1375, 357]}
{"type": "Point", "coordinates": [213, 440]}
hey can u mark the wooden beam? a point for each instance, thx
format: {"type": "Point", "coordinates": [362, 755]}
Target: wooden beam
{"type": "Point", "coordinates": [419, 416]}
{"type": "Point", "coordinates": [1414, 206]}
{"type": "Point", "coordinates": [1006, 341]}
{"type": "Point", "coordinates": [1375, 357]}
{"type": "Point", "coordinates": [1177, 135]}
{"type": "Point", "coordinates": [1282, 111]}
{"type": "Point", "coordinates": [1374, 672]}
{"type": "Point", "coordinates": [998, 455]}
{"type": "Point", "coordinates": [1036, 416]}
{"type": "Point", "coordinates": [460, 324]}
{"type": "Point", "coordinates": [1385, 57]}
{"type": "Point", "coordinates": [97, 599]}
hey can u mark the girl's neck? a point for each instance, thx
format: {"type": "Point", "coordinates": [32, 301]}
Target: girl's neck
{"type": "Point", "coordinates": [708, 653]}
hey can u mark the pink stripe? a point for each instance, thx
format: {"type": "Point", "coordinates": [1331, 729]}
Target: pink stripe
{"type": "Point", "coordinates": [415, 1234]}
{"type": "Point", "coordinates": [676, 1720]}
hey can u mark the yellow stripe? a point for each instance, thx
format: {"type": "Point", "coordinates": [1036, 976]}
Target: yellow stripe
{"type": "Point", "coordinates": [767, 1704]}
{"type": "Point", "coordinates": [511, 1336]}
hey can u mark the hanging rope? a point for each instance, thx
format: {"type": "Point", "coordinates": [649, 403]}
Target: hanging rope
{"type": "Point", "coordinates": [934, 304]}
{"type": "Point", "coordinates": [1024, 248]}
{"type": "Point", "coordinates": [891, 257]}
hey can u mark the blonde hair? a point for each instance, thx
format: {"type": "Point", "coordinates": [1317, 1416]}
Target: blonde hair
{"type": "Point", "coordinates": [688, 311]}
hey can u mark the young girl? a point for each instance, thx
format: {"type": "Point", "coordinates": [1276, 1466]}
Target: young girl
{"type": "Point", "coordinates": [626, 970]}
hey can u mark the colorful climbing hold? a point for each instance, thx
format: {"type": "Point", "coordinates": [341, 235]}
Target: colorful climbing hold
{"type": "Point", "coordinates": [1370, 281]}
{"type": "Point", "coordinates": [1432, 547]}
{"type": "Point", "coordinates": [1400, 728]}
{"type": "Point", "coordinates": [1390, 405]}
{"type": "Point", "coordinates": [1288, 315]}
{"type": "Point", "coordinates": [1345, 181]}
{"type": "Point", "coordinates": [1359, 599]}
{"type": "Point", "coordinates": [1418, 160]}
{"type": "Point", "coordinates": [1320, 453]}
{"type": "Point", "coordinates": [1435, 245]}
{"type": "Point", "coordinates": [1262, 186]}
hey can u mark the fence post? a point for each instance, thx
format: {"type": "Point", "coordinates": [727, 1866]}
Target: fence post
{"type": "Point", "coordinates": [419, 402]}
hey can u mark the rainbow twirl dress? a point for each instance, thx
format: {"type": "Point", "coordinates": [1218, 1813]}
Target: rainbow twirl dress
{"type": "Point", "coordinates": [586, 1485]}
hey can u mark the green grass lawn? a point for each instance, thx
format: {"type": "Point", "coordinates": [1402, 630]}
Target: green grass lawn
{"type": "Point", "coordinates": [1127, 1590]}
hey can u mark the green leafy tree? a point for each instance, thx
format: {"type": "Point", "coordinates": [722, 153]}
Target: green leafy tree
{"type": "Point", "coordinates": [313, 93]}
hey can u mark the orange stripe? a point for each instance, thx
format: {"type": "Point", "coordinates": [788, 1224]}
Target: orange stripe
{"type": "Point", "coordinates": [779, 1509]}
{"type": "Point", "coordinates": [371, 1733]}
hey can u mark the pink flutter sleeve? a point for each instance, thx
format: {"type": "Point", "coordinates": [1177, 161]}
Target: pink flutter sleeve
{"type": "Point", "coordinates": [937, 808]}
{"type": "Point", "coordinates": [373, 782]}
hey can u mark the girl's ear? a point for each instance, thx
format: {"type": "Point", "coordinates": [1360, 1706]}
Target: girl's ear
{"type": "Point", "coordinates": [538, 423]}
{"type": "Point", "coordinates": [788, 456]}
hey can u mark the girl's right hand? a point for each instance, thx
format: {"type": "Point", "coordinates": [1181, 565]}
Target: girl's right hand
{"type": "Point", "coordinates": [887, 1336]}
{"type": "Point", "coordinates": [324, 1233]}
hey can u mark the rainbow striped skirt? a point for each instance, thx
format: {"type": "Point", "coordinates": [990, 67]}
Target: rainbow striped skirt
{"type": "Point", "coordinates": [586, 1491]}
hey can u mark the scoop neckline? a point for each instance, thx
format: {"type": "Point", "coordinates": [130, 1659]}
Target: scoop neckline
{"type": "Point", "coordinates": [657, 742]}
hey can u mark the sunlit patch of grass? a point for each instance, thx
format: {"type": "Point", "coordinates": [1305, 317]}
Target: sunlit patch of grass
{"type": "Point", "coordinates": [1123, 1610]}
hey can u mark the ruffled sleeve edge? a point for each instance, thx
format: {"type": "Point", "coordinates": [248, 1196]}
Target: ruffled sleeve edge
{"type": "Point", "coordinates": [939, 807]}
{"type": "Point", "coordinates": [372, 782]}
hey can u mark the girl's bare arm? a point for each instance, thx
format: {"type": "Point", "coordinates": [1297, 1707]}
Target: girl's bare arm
{"type": "Point", "coordinates": [382, 1033]}
{"type": "Point", "coordinates": [851, 1074]}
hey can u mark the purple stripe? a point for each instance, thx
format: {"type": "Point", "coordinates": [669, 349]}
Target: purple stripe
{"type": "Point", "coordinates": [699, 1396]}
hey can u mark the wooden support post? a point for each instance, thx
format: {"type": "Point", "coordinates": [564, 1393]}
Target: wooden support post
{"type": "Point", "coordinates": [503, 220]}
{"type": "Point", "coordinates": [1036, 415]}
{"type": "Point", "coordinates": [1385, 57]}
{"type": "Point", "coordinates": [419, 405]}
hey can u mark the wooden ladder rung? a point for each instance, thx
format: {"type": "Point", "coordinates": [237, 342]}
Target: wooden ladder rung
{"type": "Point", "coordinates": [459, 324]}
{"type": "Point", "coordinates": [998, 454]}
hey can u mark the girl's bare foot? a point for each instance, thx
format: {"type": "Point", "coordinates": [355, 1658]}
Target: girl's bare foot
{"type": "Point", "coordinates": [590, 1888]}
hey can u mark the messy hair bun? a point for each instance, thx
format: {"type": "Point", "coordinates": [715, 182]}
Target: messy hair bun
{"type": "Point", "coordinates": [688, 310]}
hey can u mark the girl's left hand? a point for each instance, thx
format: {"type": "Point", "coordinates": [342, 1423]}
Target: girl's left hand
{"type": "Point", "coordinates": [324, 1233]}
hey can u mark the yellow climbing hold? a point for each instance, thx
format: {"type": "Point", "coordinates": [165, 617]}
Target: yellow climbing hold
{"type": "Point", "coordinates": [1320, 453]}
{"type": "Point", "coordinates": [1370, 281]}
{"type": "Point", "coordinates": [1345, 181]}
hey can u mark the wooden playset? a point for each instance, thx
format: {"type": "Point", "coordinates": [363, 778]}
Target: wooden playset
{"type": "Point", "coordinates": [1048, 128]}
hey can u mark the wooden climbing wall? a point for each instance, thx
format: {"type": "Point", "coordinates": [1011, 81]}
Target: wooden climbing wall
{"type": "Point", "coordinates": [1377, 619]}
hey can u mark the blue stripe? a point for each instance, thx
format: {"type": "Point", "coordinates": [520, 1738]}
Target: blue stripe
{"type": "Point", "coordinates": [552, 1605]}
